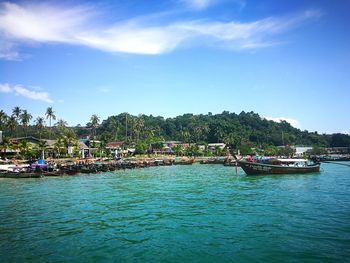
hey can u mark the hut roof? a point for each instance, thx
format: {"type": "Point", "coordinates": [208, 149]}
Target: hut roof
{"type": "Point", "coordinates": [82, 146]}
{"type": "Point", "coordinates": [114, 144]}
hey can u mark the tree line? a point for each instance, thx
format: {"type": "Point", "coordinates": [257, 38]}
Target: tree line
{"type": "Point", "coordinates": [18, 124]}
{"type": "Point", "coordinates": [245, 130]}
{"type": "Point", "coordinates": [230, 128]}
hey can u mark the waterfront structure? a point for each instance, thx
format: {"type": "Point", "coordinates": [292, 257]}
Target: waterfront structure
{"type": "Point", "coordinates": [301, 150]}
{"type": "Point", "coordinates": [220, 145]}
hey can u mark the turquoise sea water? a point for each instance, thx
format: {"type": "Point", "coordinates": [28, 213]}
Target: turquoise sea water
{"type": "Point", "coordinates": [198, 213]}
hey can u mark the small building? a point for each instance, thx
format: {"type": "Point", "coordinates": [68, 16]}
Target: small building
{"type": "Point", "coordinates": [299, 151]}
{"type": "Point", "coordinates": [171, 144]}
{"type": "Point", "coordinates": [337, 150]}
{"type": "Point", "coordinates": [185, 145]}
{"type": "Point", "coordinates": [86, 141]}
{"type": "Point", "coordinates": [84, 150]}
{"type": "Point", "coordinates": [164, 150]}
{"type": "Point", "coordinates": [30, 139]}
{"type": "Point", "coordinates": [49, 150]}
{"type": "Point", "coordinates": [201, 147]}
{"type": "Point", "coordinates": [213, 146]}
{"type": "Point", "coordinates": [117, 145]}
{"type": "Point", "coordinates": [161, 147]}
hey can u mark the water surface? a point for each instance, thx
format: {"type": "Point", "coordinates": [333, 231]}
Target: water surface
{"type": "Point", "coordinates": [198, 213]}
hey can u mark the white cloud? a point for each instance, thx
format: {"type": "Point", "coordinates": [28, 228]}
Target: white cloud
{"type": "Point", "coordinates": [42, 23]}
{"type": "Point", "coordinates": [34, 95]}
{"type": "Point", "coordinates": [198, 4]}
{"type": "Point", "coordinates": [295, 123]}
{"type": "Point", "coordinates": [134, 39]}
{"type": "Point", "coordinates": [23, 24]}
{"type": "Point", "coordinates": [5, 88]}
{"type": "Point", "coordinates": [19, 90]}
{"type": "Point", "coordinates": [8, 51]}
{"type": "Point", "coordinates": [251, 35]}
{"type": "Point", "coordinates": [204, 4]}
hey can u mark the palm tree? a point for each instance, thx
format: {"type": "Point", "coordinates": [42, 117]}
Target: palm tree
{"type": "Point", "coordinates": [16, 112]}
{"type": "Point", "coordinates": [139, 124]}
{"type": "Point", "coordinates": [69, 138]}
{"type": "Point", "coordinates": [185, 135]}
{"type": "Point", "coordinates": [102, 146]}
{"type": "Point", "coordinates": [25, 148]}
{"type": "Point", "coordinates": [3, 119]}
{"type": "Point", "coordinates": [94, 120]}
{"type": "Point", "coordinates": [25, 119]}
{"type": "Point", "coordinates": [113, 127]}
{"type": "Point", "coordinates": [132, 129]}
{"type": "Point", "coordinates": [126, 126]}
{"type": "Point", "coordinates": [5, 144]}
{"type": "Point", "coordinates": [229, 139]}
{"type": "Point", "coordinates": [218, 133]}
{"type": "Point", "coordinates": [40, 123]}
{"type": "Point", "coordinates": [12, 124]}
{"type": "Point", "coordinates": [66, 139]}
{"type": "Point", "coordinates": [61, 125]}
{"type": "Point", "coordinates": [149, 132]}
{"type": "Point", "coordinates": [200, 132]}
{"type": "Point", "coordinates": [42, 146]}
{"type": "Point", "coordinates": [59, 144]}
{"type": "Point", "coordinates": [50, 114]}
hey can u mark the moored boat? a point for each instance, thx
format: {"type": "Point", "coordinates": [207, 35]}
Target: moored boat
{"type": "Point", "coordinates": [183, 161]}
{"type": "Point", "coordinates": [278, 166]}
{"type": "Point", "coordinates": [21, 175]}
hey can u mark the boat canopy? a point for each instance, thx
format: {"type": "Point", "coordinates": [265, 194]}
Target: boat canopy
{"type": "Point", "coordinates": [292, 160]}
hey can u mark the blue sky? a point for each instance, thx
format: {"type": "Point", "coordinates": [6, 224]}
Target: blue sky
{"type": "Point", "coordinates": [281, 59]}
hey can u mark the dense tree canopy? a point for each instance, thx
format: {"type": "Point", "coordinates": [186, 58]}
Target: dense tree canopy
{"type": "Point", "coordinates": [236, 130]}
{"type": "Point", "coordinates": [239, 131]}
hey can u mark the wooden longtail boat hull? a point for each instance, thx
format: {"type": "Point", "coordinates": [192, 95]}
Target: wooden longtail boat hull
{"type": "Point", "coordinates": [251, 168]}
{"type": "Point", "coordinates": [57, 173]}
{"type": "Point", "coordinates": [21, 175]}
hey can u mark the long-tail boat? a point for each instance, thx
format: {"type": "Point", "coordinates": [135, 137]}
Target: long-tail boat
{"type": "Point", "coordinates": [9, 174]}
{"type": "Point", "coordinates": [278, 166]}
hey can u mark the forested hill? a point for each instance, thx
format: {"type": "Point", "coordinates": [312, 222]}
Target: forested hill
{"type": "Point", "coordinates": [230, 128]}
